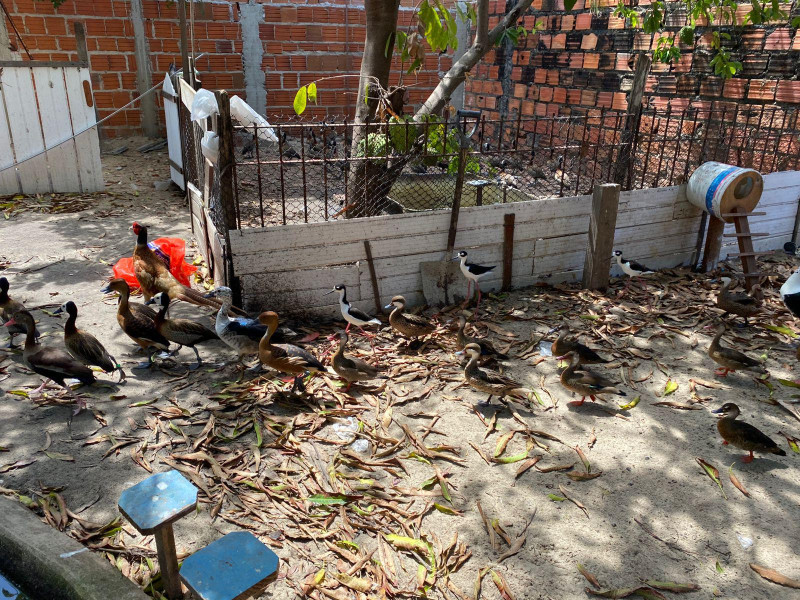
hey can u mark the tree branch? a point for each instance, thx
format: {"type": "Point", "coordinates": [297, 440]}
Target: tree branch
{"type": "Point", "coordinates": [458, 72]}
{"type": "Point", "coordinates": [482, 25]}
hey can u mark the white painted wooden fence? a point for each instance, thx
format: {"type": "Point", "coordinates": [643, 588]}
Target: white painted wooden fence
{"type": "Point", "coordinates": [289, 268]}
{"type": "Point", "coordinates": [42, 105]}
{"type": "Point", "coordinates": [176, 171]}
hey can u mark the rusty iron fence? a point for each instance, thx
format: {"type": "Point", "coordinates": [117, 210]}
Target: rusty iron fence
{"type": "Point", "coordinates": [313, 171]}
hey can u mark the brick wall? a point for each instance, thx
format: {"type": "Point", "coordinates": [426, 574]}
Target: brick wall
{"type": "Point", "coordinates": [301, 42]}
{"type": "Point", "coordinates": [584, 60]}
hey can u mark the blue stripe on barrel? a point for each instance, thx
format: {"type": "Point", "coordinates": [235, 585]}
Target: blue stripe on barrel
{"type": "Point", "coordinates": [712, 189]}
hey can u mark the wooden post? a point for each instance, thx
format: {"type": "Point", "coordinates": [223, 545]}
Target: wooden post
{"type": "Point", "coordinates": [603, 223]}
{"type": "Point", "coordinates": [373, 276]}
{"type": "Point", "coordinates": [168, 561]}
{"type": "Point", "coordinates": [746, 252]}
{"type": "Point", "coordinates": [80, 42]}
{"type": "Point", "coordinates": [508, 249]}
{"type": "Point", "coordinates": [713, 244]}
{"type": "Point", "coordinates": [451, 234]}
{"type": "Point", "coordinates": [625, 157]}
{"type": "Point", "coordinates": [188, 70]}
{"type": "Point", "coordinates": [225, 165]}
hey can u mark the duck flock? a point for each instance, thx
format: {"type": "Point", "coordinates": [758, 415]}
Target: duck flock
{"type": "Point", "coordinates": [150, 327]}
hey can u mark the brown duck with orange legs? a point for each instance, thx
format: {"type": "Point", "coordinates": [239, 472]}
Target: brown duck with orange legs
{"type": "Point", "coordinates": [743, 435]}
{"type": "Point", "coordinates": [730, 359]}
{"type": "Point", "coordinates": [487, 381]}
{"type": "Point", "coordinates": [349, 368]}
{"type": "Point", "coordinates": [565, 344]}
{"type": "Point", "coordinates": [183, 332]}
{"type": "Point", "coordinates": [585, 382]}
{"type": "Point", "coordinates": [740, 304]}
{"type": "Point", "coordinates": [286, 358]}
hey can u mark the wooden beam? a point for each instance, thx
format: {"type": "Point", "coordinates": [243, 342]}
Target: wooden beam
{"type": "Point", "coordinates": [80, 42]}
{"type": "Point", "coordinates": [508, 249]}
{"type": "Point", "coordinates": [625, 158]}
{"type": "Point", "coordinates": [713, 243]}
{"type": "Point", "coordinates": [602, 225]}
{"type": "Point", "coordinates": [168, 562]}
{"type": "Point", "coordinates": [373, 276]}
{"type": "Point", "coordinates": [746, 253]}
{"type": "Point", "coordinates": [188, 70]}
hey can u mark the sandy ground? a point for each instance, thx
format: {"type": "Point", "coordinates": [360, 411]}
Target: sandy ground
{"type": "Point", "coordinates": [651, 514]}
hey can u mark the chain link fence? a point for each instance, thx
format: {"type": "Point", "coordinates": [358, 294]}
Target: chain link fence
{"type": "Point", "coordinates": [299, 171]}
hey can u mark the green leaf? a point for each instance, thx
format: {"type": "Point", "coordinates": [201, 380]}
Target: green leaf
{"type": "Point", "coordinates": [555, 498]}
{"type": "Point", "coordinates": [569, 4]}
{"type": "Point", "coordinates": [331, 499]}
{"type": "Point", "coordinates": [347, 544]}
{"type": "Point", "coordinates": [60, 456]}
{"type": "Point", "coordinates": [670, 387]}
{"type": "Point", "coordinates": [446, 509]}
{"type": "Point", "coordinates": [781, 329]}
{"type": "Point", "coordinates": [719, 568]}
{"type": "Point", "coordinates": [22, 393]}
{"type": "Point", "coordinates": [789, 383]}
{"type": "Point", "coordinates": [300, 100]}
{"type": "Point", "coordinates": [387, 50]}
{"type": "Point", "coordinates": [312, 92]}
{"type": "Point", "coordinates": [630, 404]}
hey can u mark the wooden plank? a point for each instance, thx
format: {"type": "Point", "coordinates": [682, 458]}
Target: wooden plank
{"type": "Point", "coordinates": [173, 138]}
{"type": "Point", "coordinates": [781, 179]}
{"type": "Point", "coordinates": [508, 250]}
{"type": "Point", "coordinates": [52, 95]}
{"type": "Point", "coordinates": [80, 43]}
{"type": "Point", "coordinates": [373, 276]}
{"type": "Point", "coordinates": [187, 93]}
{"type": "Point", "coordinates": [9, 183]}
{"type": "Point", "coordinates": [87, 144]}
{"type": "Point", "coordinates": [631, 126]}
{"type": "Point", "coordinates": [713, 244]}
{"type": "Point", "coordinates": [26, 132]}
{"type": "Point", "coordinates": [57, 64]}
{"type": "Point", "coordinates": [602, 226]}
{"type": "Point", "coordinates": [321, 280]}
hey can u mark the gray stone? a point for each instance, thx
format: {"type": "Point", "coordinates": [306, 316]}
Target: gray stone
{"type": "Point", "coordinates": [48, 564]}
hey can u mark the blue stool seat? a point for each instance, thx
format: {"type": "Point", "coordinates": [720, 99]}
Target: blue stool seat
{"type": "Point", "coordinates": [232, 567]}
{"type": "Point", "coordinates": [157, 501]}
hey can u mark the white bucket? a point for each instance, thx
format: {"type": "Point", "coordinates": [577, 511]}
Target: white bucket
{"type": "Point", "coordinates": [718, 189]}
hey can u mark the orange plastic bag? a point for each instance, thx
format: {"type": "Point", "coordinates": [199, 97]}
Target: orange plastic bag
{"type": "Point", "coordinates": [171, 251]}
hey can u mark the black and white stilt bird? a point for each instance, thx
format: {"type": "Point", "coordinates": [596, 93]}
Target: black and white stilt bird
{"type": "Point", "coordinates": [351, 314]}
{"type": "Point", "coordinates": [790, 293]}
{"type": "Point", "coordinates": [473, 273]}
{"type": "Point", "coordinates": [631, 268]}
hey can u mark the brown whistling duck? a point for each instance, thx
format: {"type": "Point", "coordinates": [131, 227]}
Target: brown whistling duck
{"type": "Point", "coordinates": [83, 346]}
{"type": "Point", "coordinates": [136, 324]}
{"type": "Point", "coordinates": [730, 359]}
{"type": "Point", "coordinates": [565, 344]}
{"type": "Point", "coordinates": [286, 358]}
{"type": "Point", "coordinates": [412, 326]}
{"type": "Point", "coordinates": [154, 276]}
{"type": "Point", "coordinates": [8, 307]}
{"type": "Point", "coordinates": [487, 381]}
{"type": "Point", "coordinates": [349, 368]}
{"type": "Point", "coordinates": [183, 332]}
{"type": "Point", "coordinates": [488, 351]}
{"type": "Point", "coordinates": [585, 382]}
{"type": "Point", "coordinates": [52, 363]}
{"type": "Point", "coordinates": [743, 435]}
{"type": "Point", "coordinates": [740, 304]}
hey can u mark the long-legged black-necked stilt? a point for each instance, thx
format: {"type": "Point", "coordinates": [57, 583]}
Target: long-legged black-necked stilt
{"type": "Point", "coordinates": [790, 293]}
{"type": "Point", "coordinates": [473, 273]}
{"type": "Point", "coordinates": [351, 314]}
{"type": "Point", "coordinates": [631, 268]}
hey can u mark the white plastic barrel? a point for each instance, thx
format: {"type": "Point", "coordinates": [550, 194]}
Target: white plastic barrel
{"type": "Point", "coordinates": [719, 189]}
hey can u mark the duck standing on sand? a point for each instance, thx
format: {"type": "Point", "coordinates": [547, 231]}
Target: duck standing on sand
{"type": "Point", "coordinates": [488, 352]}
{"type": "Point", "coordinates": [731, 360]}
{"type": "Point", "coordinates": [584, 382]}
{"type": "Point", "coordinates": [743, 435]}
{"type": "Point", "coordinates": [350, 368]}
{"type": "Point", "coordinates": [8, 307]}
{"type": "Point", "coordinates": [183, 332]}
{"type": "Point", "coordinates": [487, 381]}
{"type": "Point", "coordinates": [286, 358]}
{"type": "Point", "coordinates": [83, 346]}
{"type": "Point", "coordinates": [740, 304]}
{"type": "Point", "coordinates": [48, 362]}
{"type": "Point", "coordinates": [411, 326]}
{"type": "Point", "coordinates": [565, 344]}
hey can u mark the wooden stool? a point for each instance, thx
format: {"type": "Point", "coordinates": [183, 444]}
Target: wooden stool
{"type": "Point", "coordinates": [152, 506]}
{"type": "Point", "coordinates": [234, 567]}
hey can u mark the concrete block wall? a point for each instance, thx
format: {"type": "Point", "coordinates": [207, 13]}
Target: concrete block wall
{"type": "Point", "coordinates": [583, 60]}
{"type": "Point", "coordinates": [261, 50]}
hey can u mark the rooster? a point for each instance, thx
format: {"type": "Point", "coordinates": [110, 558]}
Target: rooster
{"type": "Point", "coordinates": [154, 276]}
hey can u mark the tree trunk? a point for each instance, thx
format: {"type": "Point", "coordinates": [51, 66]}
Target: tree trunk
{"type": "Point", "coordinates": [365, 191]}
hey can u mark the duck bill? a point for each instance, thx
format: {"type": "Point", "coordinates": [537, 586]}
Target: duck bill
{"type": "Point", "coordinates": [151, 301]}
{"type": "Point", "coordinates": [460, 353]}
{"type": "Point", "coordinates": [718, 411]}
{"type": "Point", "coordinates": [58, 311]}
{"type": "Point", "coordinates": [388, 306]}
{"type": "Point", "coordinates": [106, 290]}
{"type": "Point", "coordinates": [208, 295]}
{"type": "Point", "coordinates": [9, 323]}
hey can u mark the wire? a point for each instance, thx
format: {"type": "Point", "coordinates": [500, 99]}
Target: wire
{"type": "Point", "coordinates": [85, 129]}
{"type": "Point", "coordinates": [14, 27]}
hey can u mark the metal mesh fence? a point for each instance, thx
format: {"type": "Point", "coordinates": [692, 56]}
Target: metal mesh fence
{"type": "Point", "coordinates": [307, 171]}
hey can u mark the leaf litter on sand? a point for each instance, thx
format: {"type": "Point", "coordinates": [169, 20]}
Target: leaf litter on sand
{"type": "Point", "coordinates": [712, 472]}
{"type": "Point", "coordinates": [775, 577]}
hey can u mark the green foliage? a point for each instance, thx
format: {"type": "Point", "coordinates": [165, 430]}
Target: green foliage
{"type": "Point", "coordinates": [303, 96]}
{"type": "Point", "coordinates": [439, 26]}
{"type": "Point", "coordinates": [57, 3]}
{"type": "Point", "coordinates": [666, 51]}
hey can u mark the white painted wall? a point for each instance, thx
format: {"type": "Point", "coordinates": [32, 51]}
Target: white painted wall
{"type": "Point", "coordinates": [289, 268]}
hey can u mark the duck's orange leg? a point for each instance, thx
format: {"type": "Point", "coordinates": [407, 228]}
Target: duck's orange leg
{"type": "Point", "coordinates": [722, 372]}
{"type": "Point", "coordinates": [748, 459]}
{"type": "Point", "coordinates": [578, 402]}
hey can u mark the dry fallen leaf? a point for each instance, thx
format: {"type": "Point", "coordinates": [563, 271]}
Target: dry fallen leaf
{"type": "Point", "coordinates": [775, 577]}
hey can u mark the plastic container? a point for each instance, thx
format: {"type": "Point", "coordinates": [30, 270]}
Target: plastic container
{"type": "Point", "coordinates": [204, 105]}
{"type": "Point", "coordinates": [718, 189]}
{"type": "Point", "coordinates": [246, 116]}
{"type": "Point", "coordinates": [209, 146]}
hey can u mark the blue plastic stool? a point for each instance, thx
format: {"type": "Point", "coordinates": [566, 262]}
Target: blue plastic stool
{"type": "Point", "coordinates": [152, 506]}
{"type": "Point", "coordinates": [235, 566]}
